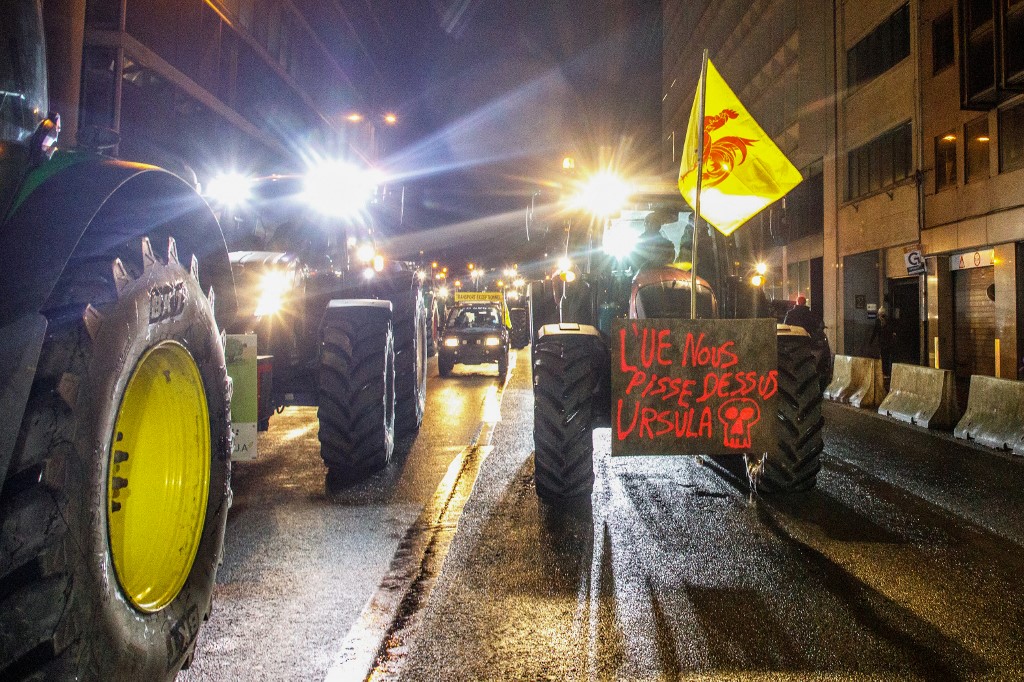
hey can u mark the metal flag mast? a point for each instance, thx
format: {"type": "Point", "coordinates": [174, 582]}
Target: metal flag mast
{"type": "Point", "coordinates": [700, 175]}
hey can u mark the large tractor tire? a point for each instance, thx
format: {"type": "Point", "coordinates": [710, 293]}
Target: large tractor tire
{"type": "Point", "coordinates": [520, 335]}
{"type": "Point", "coordinates": [410, 326]}
{"type": "Point", "coordinates": [563, 396]}
{"type": "Point", "coordinates": [433, 328]}
{"type": "Point", "coordinates": [357, 393]}
{"type": "Point", "coordinates": [503, 368]}
{"type": "Point", "coordinates": [113, 511]}
{"type": "Point", "coordinates": [794, 465]}
{"type": "Point", "coordinates": [445, 364]}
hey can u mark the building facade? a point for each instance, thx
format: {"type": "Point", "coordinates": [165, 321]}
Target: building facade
{"type": "Point", "coordinates": [776, 55]}
{"type": "Point", "coordinates": [200, 85]}
{"type": "Point", "coordinates": [913, 112]}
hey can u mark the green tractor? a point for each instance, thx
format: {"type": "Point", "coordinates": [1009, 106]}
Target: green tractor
{"type": "Point", "coordinates": [623, 272]}
{"type": "Point", "coordinates": [115, 444]}
{"type": "Point", "coordinates": [343, 327]}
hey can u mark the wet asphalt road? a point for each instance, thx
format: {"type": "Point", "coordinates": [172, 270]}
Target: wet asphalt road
{"type": "Point", "coordinates": [299, 566]}
{"type": "Point", "coordinates": [905, 563]}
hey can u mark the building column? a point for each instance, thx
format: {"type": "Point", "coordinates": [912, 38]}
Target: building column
{"type": "Point", "coordinates": [1008, 262]}
{"type": "Point", "coordinates": [940, 313]}
{"type": "Point", "coordinates": [65, 31]}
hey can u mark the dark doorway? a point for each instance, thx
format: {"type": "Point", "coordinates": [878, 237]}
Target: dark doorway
{"type": "Point", "coordinates": [905, 313]}
{"type": "Point", "coordinates": [817, 288]}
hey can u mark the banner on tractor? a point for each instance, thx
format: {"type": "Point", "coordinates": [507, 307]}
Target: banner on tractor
{"type": "Point", "coordinates": [693, 387]}
{"type": "Point", "coordinates": [742, 170]}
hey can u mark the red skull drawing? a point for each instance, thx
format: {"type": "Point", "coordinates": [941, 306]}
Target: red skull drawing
{"type": "Point", "coordinates": [738, 416]}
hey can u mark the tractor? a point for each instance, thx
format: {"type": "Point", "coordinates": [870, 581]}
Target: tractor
{"type": "Point", "coordinates": [623, 269]}
{"type": "Point", "coordinates": [116, 442]}
{"type": "Point", "coordinates": [343, 327]}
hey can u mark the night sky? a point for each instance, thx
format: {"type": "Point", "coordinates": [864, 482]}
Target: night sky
{"type": "Point", "coordinates": [492, 94]}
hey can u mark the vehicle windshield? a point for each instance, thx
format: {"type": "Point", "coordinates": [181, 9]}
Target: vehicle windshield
{"type": "Point", "coordinates": [475, 317]}
{"type": "Point", "coordinates": [22, 70]}
{"type": "Point", "coordinates": [626, 233]}
{"type": "Point", "coordinates": [279, 218]}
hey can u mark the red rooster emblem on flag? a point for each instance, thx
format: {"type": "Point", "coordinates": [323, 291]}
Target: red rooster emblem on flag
{"type": "Point", "coordinates": [723, 154]}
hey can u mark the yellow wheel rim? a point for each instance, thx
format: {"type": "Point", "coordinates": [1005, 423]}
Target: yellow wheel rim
{"type": "Point", "coordinates": [159, 476]}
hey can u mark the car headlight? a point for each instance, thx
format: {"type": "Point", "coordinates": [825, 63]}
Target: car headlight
{"type": "Point", "coordinates": [451, 343]}
{"type": "Point", "coordinates": [274, 288]}
{"type": "Point", "coordinates": [492, 341]}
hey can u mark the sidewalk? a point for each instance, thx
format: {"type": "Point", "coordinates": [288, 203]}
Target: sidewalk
{"type": "Point", "coordinates": [983, 485]}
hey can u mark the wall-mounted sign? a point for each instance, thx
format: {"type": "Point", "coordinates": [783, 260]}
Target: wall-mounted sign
{"type": "Point", "coordinates": [692, 387]}
{"type": "Point", "coordinates": [860, 301]}
{"type": "Point", "coordinates": [972, 259]}
{"type": "Point", "coordinates": [914, 260]}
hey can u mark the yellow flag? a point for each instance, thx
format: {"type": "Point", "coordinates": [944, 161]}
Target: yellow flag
{"type": "Point", "coordinates": [743, 170]}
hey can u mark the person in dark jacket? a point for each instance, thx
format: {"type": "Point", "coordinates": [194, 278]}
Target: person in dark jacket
{"type": "Point", "coordinates": [652, 249]}
{"type": "Point", "coordinates": [884, 332]}
{"type": "Point", "coordinates": [801, 316]}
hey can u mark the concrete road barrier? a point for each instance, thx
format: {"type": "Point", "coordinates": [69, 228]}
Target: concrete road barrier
{"type": "Point", "coordinates": [857, 381]}
{"type": "Point", "coordinates": [921, 395]}
{"type": "Point", "coordinates": [995, 414]}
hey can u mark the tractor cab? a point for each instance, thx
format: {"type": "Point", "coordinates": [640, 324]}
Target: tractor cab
{"type": "Point", "coordinates": [23, 100]}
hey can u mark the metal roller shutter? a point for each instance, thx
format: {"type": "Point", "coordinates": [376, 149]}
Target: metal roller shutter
{"type": "Point", "coordinates": [974, 322]}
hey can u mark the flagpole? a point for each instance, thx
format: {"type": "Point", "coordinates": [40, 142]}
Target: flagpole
{"type": "Point", "coordinates": [700, 175]}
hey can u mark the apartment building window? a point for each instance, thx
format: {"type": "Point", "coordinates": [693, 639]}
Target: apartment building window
{"type": "Point", "coordinates": [976, 146]}
{"type": "Point", "coordinates": [945, 161]}
{"type": "Point", "coordinates": [1011, 138]}
{"type": "Point", "coordinates": [942, 42]}
{"type": "Point", "coordinates": [992, 51]}
{"type": "Point", "coordinates": [880, 163]}
{"type": "Point", "coordinates": [1013, 43]}
{"type": "Point", "coordinates": [877, 52]}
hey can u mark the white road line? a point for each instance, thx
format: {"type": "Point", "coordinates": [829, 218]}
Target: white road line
{"type": "Point", "coordinates": [368, 640]}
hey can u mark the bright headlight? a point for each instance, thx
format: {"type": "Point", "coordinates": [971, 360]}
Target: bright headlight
{"type": "Point", "coordinates": [442, 292]}
{"type": "Point", "coordinates": [378, 263]}
{"type": "Point", "coordinates": [274, 287]}
{"type": "Point", "coordinates": [365, 253]}
{"type": "Point", "coordinates": [492, 341]}
{"type": "Point", "coordinates": [451, 343]}
{"type": "Point", "coordinates": [339, 189]}
{"type": "Point", "coordinates": [619, 240]}
{"type": "Point", "coordinates": [229, 190]}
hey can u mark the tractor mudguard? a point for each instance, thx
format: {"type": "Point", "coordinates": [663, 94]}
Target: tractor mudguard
{"type": "Point", "coordinates": [73, 212]}
{"type": "Point", "coordinates": [790, 330]}
{"type": "Point", "coordinates": [336, 307]}
{"type": "Point", "coordinates": [565, 328]}
{"type": "Point", "coordinates": [74, 215]}
{"type": "Point", "coordinates": [20, 344]}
